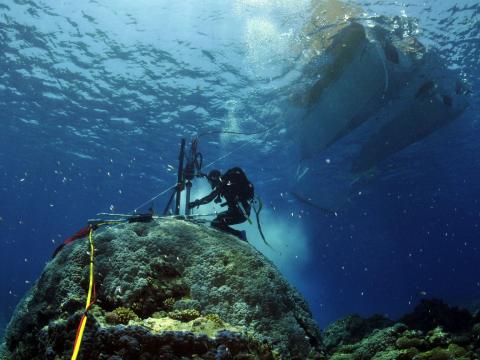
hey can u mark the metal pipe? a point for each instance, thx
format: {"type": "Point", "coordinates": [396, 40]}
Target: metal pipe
{"type": "Point", "coordinates": [188, 185]}
{"type": "Point", "coordinates": [190, 173]}
{"type": "Point", "coordinates": [180, 177]}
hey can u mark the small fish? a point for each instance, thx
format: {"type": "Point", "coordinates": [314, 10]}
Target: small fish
{"type": "Point", "coordinates": [423, 293]}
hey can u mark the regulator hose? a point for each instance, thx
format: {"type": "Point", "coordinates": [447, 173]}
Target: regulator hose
{"type": "Point", "coordinates": [257, 215]}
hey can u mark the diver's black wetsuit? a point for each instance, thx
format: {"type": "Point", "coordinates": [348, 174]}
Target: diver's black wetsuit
{"type": "Point", "coordinates": [238, 210]}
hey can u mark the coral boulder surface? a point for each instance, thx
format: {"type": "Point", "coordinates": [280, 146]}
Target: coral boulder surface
{"type": "Point", "coordinates": [168, 289]}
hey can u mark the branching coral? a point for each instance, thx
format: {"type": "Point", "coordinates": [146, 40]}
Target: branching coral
{"type": "Point", "coordinates": [168, 303]}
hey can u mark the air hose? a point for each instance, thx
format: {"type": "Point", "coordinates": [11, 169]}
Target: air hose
{"type": "Point", "coordinates": [258, 201]}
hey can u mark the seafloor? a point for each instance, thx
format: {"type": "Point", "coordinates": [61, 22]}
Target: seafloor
{"type": "Point", "coordinates": [173, 289]}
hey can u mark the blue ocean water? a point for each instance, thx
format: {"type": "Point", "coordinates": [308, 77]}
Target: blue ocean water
{"type": "Point", "coordinates": [95, 97]}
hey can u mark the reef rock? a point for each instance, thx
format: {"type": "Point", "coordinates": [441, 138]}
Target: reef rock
{"type": "Point", "coordinates": [354, 338]}
{"type": "Point", "coordinates": [352, 329]}
{"type": "Point", "coordinates": [431, 313]}
{"type": "Point", "coordinates": [169, 289]}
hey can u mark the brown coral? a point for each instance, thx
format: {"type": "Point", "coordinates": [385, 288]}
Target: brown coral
{"type": "Point", "coordinates": [168, 303]}
{"type": "Point", "coordinates": [120, 315]}
{"type": "Point", "coordinates": [184, 315]}
{"type": "Point", "coordinates": [214, 318]}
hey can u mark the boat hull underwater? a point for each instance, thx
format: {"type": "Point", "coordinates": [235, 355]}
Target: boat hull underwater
{"type": "Point", "coordinates": [369, 89]}
{"type": "Point", "coordinates": [374, 73]}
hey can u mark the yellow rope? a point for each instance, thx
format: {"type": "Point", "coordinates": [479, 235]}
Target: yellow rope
{"type": "Point", "coordinates": [78, 340]}
{"type": "Point", "coordinates": [90, 287]}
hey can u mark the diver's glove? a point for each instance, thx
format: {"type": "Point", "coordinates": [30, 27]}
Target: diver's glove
{"type": "Point", "coordinates": [193, 204]}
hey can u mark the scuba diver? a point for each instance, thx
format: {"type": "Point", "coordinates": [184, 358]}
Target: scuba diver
{"type": "Point", "coordinates": [237, 191]}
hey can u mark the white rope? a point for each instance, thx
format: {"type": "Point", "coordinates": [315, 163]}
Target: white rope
{"type": "Point", "coordinates": [199, 215]}
{"type": "Point", "coordinates": [235, 150]}
{"type": "Point", "coordinates": [153, 198]}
